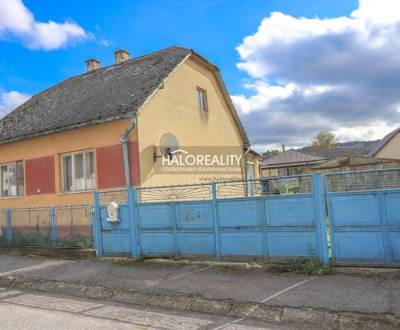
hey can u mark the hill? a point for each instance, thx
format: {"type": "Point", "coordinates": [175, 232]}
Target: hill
{"type": "Point", "coordinates": [343, 149]}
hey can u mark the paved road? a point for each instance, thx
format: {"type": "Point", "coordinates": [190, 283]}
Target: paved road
{"type": "Point", "coordinates": [372, 294]}
{"type": "Point", "coordinates": [27, 310]}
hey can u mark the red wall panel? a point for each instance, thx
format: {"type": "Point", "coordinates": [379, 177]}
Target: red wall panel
{"type": "Point", "coordinates": [110, 167]}
{"type": "Point", "coordinates": [40, 176]}
{"type": "Point", "coordinates": [134, 163]}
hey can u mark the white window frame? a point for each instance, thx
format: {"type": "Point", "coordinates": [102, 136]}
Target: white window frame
{"type": "Point", "coordinates": [73, 154]}
{"type": "Point", "coordinates": [202, 99]}
{"type": "Point", "coordinates": [18, 193]}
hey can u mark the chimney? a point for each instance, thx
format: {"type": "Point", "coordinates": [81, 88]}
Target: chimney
{"type": "Point", "coordinates": [92, 64]}
{"type": "Point", "coordinates": [121, 56]}
{"type": "Point", "coordinates": [283, 148]}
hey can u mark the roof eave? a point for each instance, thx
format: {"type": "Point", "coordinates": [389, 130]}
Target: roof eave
{"type": "Point", "coordinates": [69, 127]}
{"type": "Point", "coordinates": [292, 164]}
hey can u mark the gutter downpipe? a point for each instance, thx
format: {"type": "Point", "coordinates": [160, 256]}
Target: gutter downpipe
{"type": "Point", "coordinates": [246, 149]}
{"type": "Point", "coordinates": [125, 152]}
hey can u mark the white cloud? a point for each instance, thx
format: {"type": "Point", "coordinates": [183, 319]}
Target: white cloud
{"type": "Point", "coordinates": [10, 100]}
{"type": "Point", "coordinates": [312, 74]}
{"type": "Point", "coordinates": [17, 21]}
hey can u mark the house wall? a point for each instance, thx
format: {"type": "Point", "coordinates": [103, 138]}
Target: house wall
{"type": "Point", "coordinates": [391, 150]}
{"type": "Point", "coordinates": [41, 156]}
{"type": "Point", "coordinates": [254, 159]}
{"type": "Point", "coordinates": [175, 109]}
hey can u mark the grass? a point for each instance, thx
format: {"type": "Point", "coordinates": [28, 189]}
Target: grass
{"type": "Point", "coordinates": [313, 267]}
{"type": "Point", "coordinates": [77, 241]}
{"type": "Point", "coordinates": [3, 240]}
{"type": "Point", "coordinates": [35, 239]}
{"type": "Point", "coordinates": [31, 239]}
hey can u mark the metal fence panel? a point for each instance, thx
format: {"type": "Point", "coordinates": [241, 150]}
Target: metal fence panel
{"type": "Point", "coordinates": [74, 226]}
{"type": "Point", "coordinates": [265, 187]}
{"type": "Point", "coordinates": [363, 180]}
{"type": "Point", "coordinates": [174, 193]}
{"type": "Point", "coordinates": [268, 218]}
{"type": "Point", "coordinates": [114, 238]}
{"type": "Point", "coordinates": [62, 226]}
{"type": "Point", "coordinates": [31, 226]}
{"type": "Point", "coordinates": [364, 214]}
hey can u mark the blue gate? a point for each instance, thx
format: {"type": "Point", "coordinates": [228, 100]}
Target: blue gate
{"type": "Point", "coordinates": [364, 213]}
{"type": "Point", "coordinates": [115, 238]}
{"type": "Point", "coordinates": [274, 218]}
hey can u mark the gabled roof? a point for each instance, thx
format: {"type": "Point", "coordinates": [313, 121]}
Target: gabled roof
{"type": "Point", "coordinates": [335, 152]}
{"type": "Point", "coordinates": [109, 93]}
{"type": "Point", "coordinates": [291, 157]}
{"type": "Point", "coordinates": [340, 152]}
{"type": "Point", "coordinates": [377, 147]}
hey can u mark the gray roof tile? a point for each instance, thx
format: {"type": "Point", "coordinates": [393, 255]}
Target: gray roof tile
{"type": "Point", "coordinates": [291, 157]}
{"type": "Point", "coordinates": [105, 93]}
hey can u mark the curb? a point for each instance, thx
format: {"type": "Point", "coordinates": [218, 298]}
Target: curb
{"type": "Point", "coordinates": [322, 318]}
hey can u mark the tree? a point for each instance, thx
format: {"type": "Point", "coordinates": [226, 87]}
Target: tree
{"type": "Point", "coordinates": [324, 140]}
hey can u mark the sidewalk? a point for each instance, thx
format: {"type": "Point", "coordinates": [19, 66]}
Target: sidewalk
{"type": "Point", "coordinates": [329, 300]}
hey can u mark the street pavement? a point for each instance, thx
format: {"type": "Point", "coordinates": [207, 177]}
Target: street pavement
{"type": "Point", "coordinates": [377, 293]}
{"type": "Point", "coordinates": [367, 294]}
{"type": "Point", "coordinates": [27, 310]}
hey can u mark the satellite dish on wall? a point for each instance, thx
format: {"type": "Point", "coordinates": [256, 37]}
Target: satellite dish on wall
{"type": "Point", "coordinates": [168, 145]}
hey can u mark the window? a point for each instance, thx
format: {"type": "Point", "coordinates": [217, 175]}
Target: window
{"type": "Point", "coordinates": [78, 171]}
{"type": "Point", "coordinates": [12, 179]}
{"type": "Point", "coordinates": [202, 96]}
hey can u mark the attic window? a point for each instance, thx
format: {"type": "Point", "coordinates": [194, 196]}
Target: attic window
{"type": "Point", "coordinates": [202, 97]}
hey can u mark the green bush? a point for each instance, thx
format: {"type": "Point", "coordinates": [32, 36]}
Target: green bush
{"type": "Point", "coordinates": [31, 239]}
{"type": "Point", "coordinates": [78, 241]}
{"type": "Point", "coordinates": [313, 267]}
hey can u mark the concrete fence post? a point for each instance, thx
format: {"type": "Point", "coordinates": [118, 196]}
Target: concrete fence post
{"type": "Point", "coordinates": [320, 211]}
{"type": "Point", "coordinates": [215, 216]}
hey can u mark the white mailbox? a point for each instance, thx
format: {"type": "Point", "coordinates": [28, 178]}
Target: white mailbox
{"type": "Point", "coordinates": [113, 214]}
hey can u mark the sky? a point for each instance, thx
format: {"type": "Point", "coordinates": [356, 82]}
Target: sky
{"type": "Point", "coordinates": [292, 68]}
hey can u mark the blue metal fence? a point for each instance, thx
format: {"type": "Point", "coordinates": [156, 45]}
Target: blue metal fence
{"type": "Point", "coordinates": [275, 218]}
{"type": "Point", "coordinates": [364, 217]}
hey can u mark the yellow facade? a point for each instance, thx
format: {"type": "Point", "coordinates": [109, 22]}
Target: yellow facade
{"type": "Point", "coordinates": [174, 108]}
{"type": "Point", "coordinates": [390, 150]}
{"type": "Point", "coordinates": [55, 144]}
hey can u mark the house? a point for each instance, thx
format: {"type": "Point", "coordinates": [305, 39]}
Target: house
{"type": "Point", "coordinates": [114, 126]}
{"type": "Point", "coordinates": [289, 162]}
{"type": "Point", "coordinates": [388, 147]}
{"type": "Point", "coordinates": [353, 163]}
{"type": "Point", "coordinates": [253, 165]}
{"type": "Point", "coordinates": [294, 162]}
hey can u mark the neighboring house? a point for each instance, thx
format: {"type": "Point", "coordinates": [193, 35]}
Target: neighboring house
{"type": "Point", "coordinates": [336, 152]}
{"type": "Point", "coordinates": [294, 162]}
{"type": "Point", "coordinates": [253, 164]}
{"type": "Point", "coordinates": [290, 162]}
{"type": "Point", "coordinates": [388, 147]}
{"type": "Point", "coordinates": [353, 163]}
{"type": "Point", "coordinates": [102, 129]}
